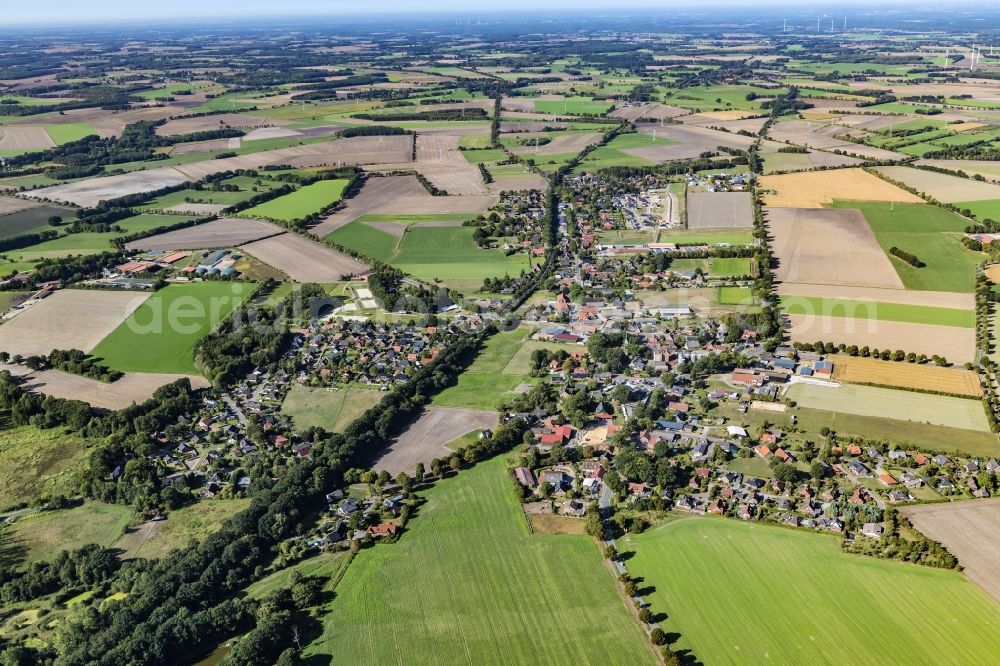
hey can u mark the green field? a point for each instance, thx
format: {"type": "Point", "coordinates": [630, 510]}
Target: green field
{"type": "Point", "coordinates": [520, 363]}
{"type": "Point", "coordinates": [193, 522]}
{"type": "Point", "coordinates": [730, 266]}
{"type": "Point", "coordinates": [982, 210]}
{"type": "Point", "coordinates": [467, 583]}
{"type": "Point", "coordinates": [707, 237]}
{"type": "Point", "coordinates": [302, 202]}
{"type": "Point", "coordinates": [367, 240]}
{"type": "Point", "coordinates": [613, 153]}
{"type": "Point", "coordinates": [484, 155]}
{"type": "Point", "coordinates": [61, 134]}
{"type": "Point", "coordinates": [734, 296]}
{"type": "Point", "coordinates": [45, 534]}
{"type": "Point", "coordinates": [930, 233]}
{"type": "Point", "coordinates": [572, 106]}
{"type": "Point", "coordinates": [332, 410]}
{"type": "Point", "coordinates": [753, 593]}
{"type": "Point", "coordinates": [482, 386]}
{"type": "Point", "coordinates": [36, 462]}
{"type": "Point", "coordinates": [161, 334]}
{"type": "Point", "coordinates": [843, 307]}
{"type": "Point", "coordinates": [324, 565]}
{"type": "Point", "coordinates": [450, 254]}
{"type": "Point", "coordinates": [719, 98]}
{"type": "Point", "coordinates": [939, 410]}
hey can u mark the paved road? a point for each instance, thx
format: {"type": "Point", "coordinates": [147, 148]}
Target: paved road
{"type": "Point", "coordinates": [236, 409]}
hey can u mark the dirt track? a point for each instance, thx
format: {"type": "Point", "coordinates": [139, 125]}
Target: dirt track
{"type": "Point", "coordinates": [425, 439]}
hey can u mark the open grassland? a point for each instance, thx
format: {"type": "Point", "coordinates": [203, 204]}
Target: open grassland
{"type": "Point", "coordinates": [302, 202]}
{"type": "Point", "coordinates": [366, 239]}
{"type": "Point", "coordinates": [816, 189]}
{"type": "Point", "coordinates": [468, 573]}
{"type": "Point", "coordinates": [970, 531]}
{"type": "Point", "coordinates": [328, 566]}
{"type": "Point", "coordinates": [67, 132]}
{"type": "Point", "coordinates": [706, 236]}
{"type": "Point", "coordinates": [482, 386]}
{"type": "Point", "coordinates": [902, 405]}
{"type": "Point", "coordinates": [857, 309]}
{"type": "Point", "coordinates": [572, 106]}
{"type": "Point", "coordinates": [734, 296]}
{"type": "Point", "coordinates": [930, 233]}
{"type": "Point", "coordinates": [36, 462]}
{"type": "Point", "coordinates": [520, 363]}
{"type": "Point", "coordinates": [450, 254]}
{"type": "Point", "coordinates": [330, 409]}
{"type": "Point", "coordinates": [45, 534]}
{"type": "Point", "coordinates": [731, 590]}
{"type": "Point", "coordinates": [155, 539]}
{"type": "Point", "coordinates": [719, 98]}
{"type": "Point", "coordinates": [160, 336]}
{"type": "Point", "coordinates": [860, 370]}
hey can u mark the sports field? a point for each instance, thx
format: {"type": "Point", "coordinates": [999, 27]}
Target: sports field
{"type": "Point", "coordinates": [752, 593]}
{"type": "Point", "coordinates": [902, 405]}
{"type": "Point", "coordinates": [731, 267]}
{"type": "Point", "coordinates": [161, 334]}
{"type": "Point", "coordinates": [930, 233]}
{"type": "Point", "coordinates": [734, 296]}
{"type": "Point", "coordinates": [843, 307]}
{"type": "Point", "coordinates": [468, 584]}
{"type": "Point", "coordinates": [300, 203]}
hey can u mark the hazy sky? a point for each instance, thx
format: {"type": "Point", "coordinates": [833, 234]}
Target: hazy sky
{"type": "Point", "coordinates": [62, 11]}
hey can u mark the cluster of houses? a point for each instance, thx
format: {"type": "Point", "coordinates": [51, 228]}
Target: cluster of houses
{"type": "Point", "coordinates": [516, 221]}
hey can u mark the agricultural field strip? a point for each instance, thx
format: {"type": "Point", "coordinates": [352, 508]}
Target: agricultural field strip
{"type": "Point", "coordinates": [921, 377]}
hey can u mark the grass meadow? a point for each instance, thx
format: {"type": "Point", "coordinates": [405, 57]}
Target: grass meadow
{"type": "Point", "coordinates": [45, 534]}
{"type": "Point", "coordinates": [302, 202]}
{"type": "Point", "coordinates": [486, 382]}
{"type": "Point", "coordinates": [161, 334]}
{"type": "Point", "coordinates": [332, 410]}
{"type": "Point", "coordinates": [753, 593]}
{"type": "Point", "coordinates": [930, 233]}
{"type": "Point", "coordinates": [467, 583]}
{"type": "Point", "coordinates": [38, 462]}
{"type": "Point", "coordinates": [844, 307]}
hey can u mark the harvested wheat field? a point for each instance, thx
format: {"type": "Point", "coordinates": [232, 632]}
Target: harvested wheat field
{"type": "Point", "coordinates": [934, 299]}
{"type": "Point", "coordinates": [222, 233]}
{"type": "Point", "coordinates": [941, 186]}
{"type": "Point", "coordinates": [351, 151]}
{"type": "Point", "coordinates": [196, 208]}
{"type": "Point", "coordinates": [203, 146]}
{"type": "Point", "coordinates": [304, 260]}
{"type": "Point", "coordinates": [10, 205]}
{"type": "Point", "coordinates": [657, 111]}
{"type": "Point", "coordinates": [926, 377]}
{"type": "Point", "coordinates": [993, 273]}
{"type": "Point", "coordinates": [562, 143]}
{"type": "Point", "coordinates": [425, 439]}
{"type": "Point", "coordinates": [68, 319]}
{"type": "Point", "coordinates": [956, 344]}
{"type": "Point", "coordinates": [25, 138]}
{"type": "Point", "coordinates": [825, 136]}
{"type": "Point", "coordinates": [399, 195]}
{"type": "Point", "coordinates": [205, 123]}
{"type": "Point", "coordinates": [706, 210]}
{"type": "Point", "coordinates": [828, 246]}
{"type": "Point", "coordinates": [91, 191]}
{"type": "Point", "coordinates": [133, 387]}
{"type": "Point", "coordinates": [443, 164]}
{"type": "Point", "coordinates": [816, 189]}
{"type": "Point", "coordinates": [986, 168]}
{"type": "Point", "coordinates": [970, 530]}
